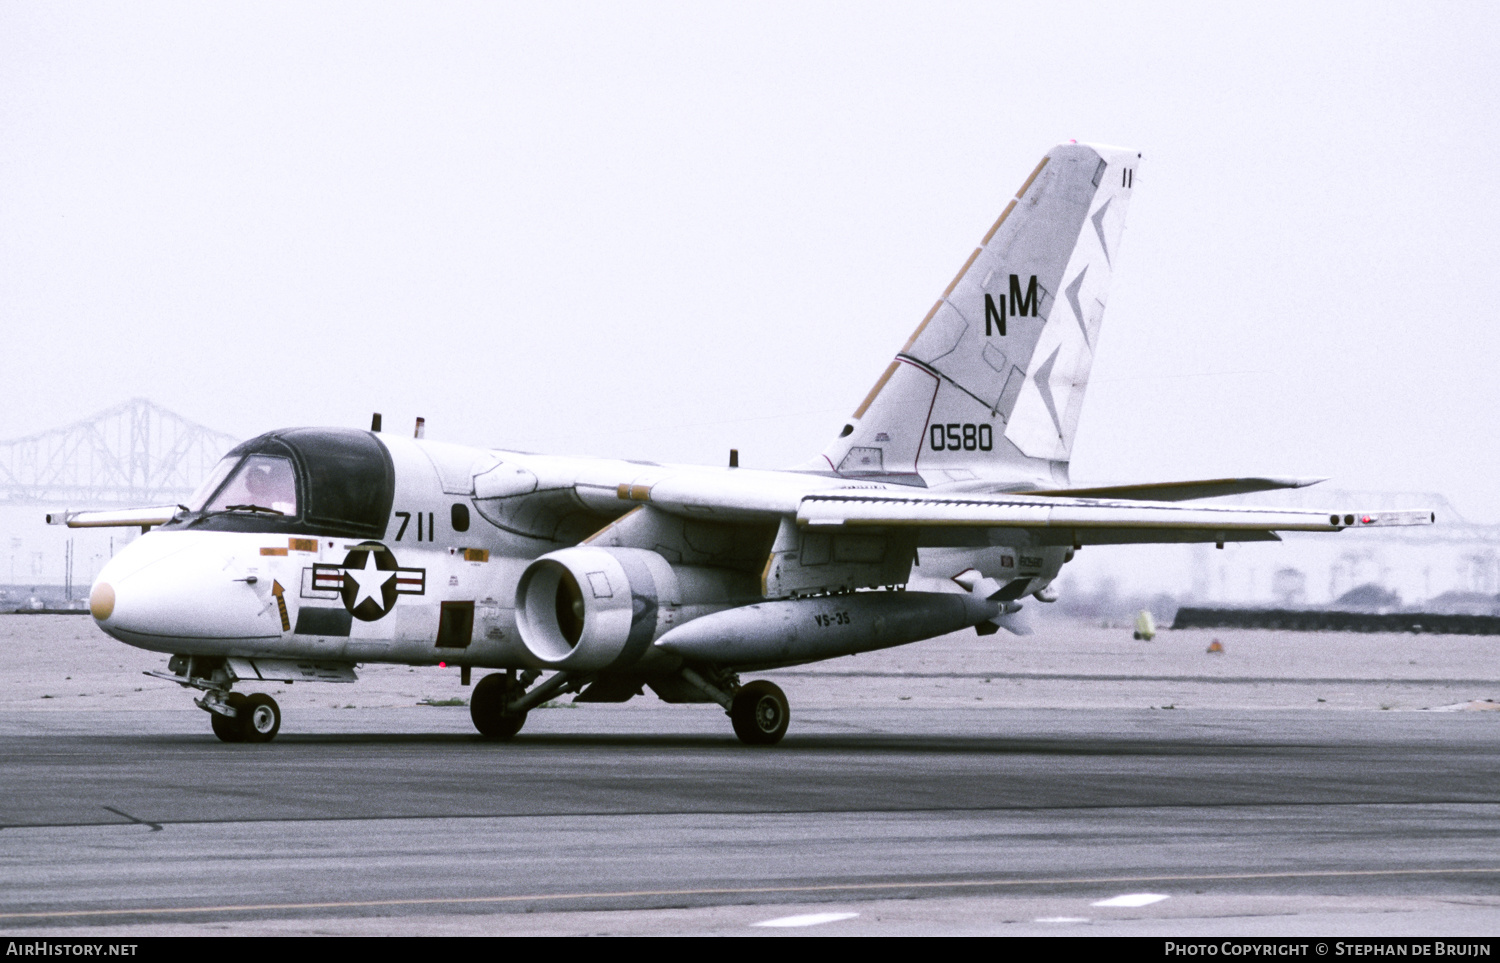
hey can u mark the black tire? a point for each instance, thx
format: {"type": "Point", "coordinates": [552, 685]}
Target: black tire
{"type": "Point", "coordinates": [487, 706]}
{"type": "Point", "coordinates": [231, 728]}
{"type": "Point", "coordinates": [760, 713]}
{"type": "Point", "coordinates": [259, 718]}
{"type": "Point", "coordinates": [227, 729]}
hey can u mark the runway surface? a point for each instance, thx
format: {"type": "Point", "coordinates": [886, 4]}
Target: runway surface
{"type": "Point", "coordinates": [653, 819]}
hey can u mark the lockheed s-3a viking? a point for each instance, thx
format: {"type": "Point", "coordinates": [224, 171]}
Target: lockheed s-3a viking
{"type": "Point", "coordinates": [942, 505]}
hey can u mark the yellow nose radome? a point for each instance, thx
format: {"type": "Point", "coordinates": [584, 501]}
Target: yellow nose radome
{"type": "Point", "coordinates": [102, 600]}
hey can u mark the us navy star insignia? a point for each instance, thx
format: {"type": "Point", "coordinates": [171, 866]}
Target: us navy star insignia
{"type": "Point", "coordinates": [370, 581]}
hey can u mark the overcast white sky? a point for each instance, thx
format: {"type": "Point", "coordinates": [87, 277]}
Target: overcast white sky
{"type": "Point", "coordinates": [662, 230]}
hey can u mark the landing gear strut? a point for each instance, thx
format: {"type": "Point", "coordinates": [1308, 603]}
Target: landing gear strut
{"type": "Point", "coordinates": [500, 702]}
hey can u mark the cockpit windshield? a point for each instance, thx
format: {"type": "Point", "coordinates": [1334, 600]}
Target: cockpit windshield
{"type": "Point", "coordinates": [326, 481]}
{"type": "Point", "coordinates": [263, 483]}
{"type": "Point", "coordinates": [206, 490]}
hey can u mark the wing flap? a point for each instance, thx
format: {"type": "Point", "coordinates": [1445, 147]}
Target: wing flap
{"type": "Point", "coordinates": [1183, 491]}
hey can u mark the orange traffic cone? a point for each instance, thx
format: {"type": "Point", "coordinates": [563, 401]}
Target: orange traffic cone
{"type": "Point", "coordinates": [1214, 646]}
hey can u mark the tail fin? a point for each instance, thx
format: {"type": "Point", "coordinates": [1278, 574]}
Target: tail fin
{"type": "Point", "coordinates": [990, 386]}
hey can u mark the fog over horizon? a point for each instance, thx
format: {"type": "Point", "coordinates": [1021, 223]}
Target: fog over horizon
{"type": "Point", "coordinates": [659, 231]}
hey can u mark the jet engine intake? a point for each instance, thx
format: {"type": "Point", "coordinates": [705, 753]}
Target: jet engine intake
{"type": "Point", "coordinates": [586, 608]}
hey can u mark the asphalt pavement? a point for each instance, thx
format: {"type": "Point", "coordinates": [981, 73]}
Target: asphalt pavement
{"type": "Point", "coordinates": [914, 794]}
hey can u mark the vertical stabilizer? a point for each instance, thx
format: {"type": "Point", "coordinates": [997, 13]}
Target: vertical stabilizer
{"type": "Point", "coordinates": [989, 387]}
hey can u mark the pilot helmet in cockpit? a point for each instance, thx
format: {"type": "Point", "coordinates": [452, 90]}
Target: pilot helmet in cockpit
{"type": "Point", "coordinates": [269, 483]}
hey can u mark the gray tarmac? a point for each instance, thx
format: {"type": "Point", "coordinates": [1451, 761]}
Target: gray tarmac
{"type": "Point", "coordinates": [958, 786]}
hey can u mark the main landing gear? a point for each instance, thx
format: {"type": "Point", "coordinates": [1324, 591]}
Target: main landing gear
{"type": "Point", "coordinates": [489, 706]}
{"type": "Point", "coordinates": [760, 713]}
{"type": "Point", "coordinates": [500, 701]}
{"type": "Point", "coordinates": [758, 710]}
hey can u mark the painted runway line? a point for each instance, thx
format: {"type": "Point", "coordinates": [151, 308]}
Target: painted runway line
{"type": "Point", "coordinates": [1132, 900]}
{"type": "Point", "coordinates": [809, 919]}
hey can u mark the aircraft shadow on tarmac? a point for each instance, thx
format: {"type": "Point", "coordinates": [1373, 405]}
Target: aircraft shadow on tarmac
{"type": "Point", "coordinates": [844, 743]}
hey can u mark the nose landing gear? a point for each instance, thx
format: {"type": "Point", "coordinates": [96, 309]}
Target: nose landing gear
{"type": "Point", "coordinates": [235, 716]}
{"type": "Point", "coordinates": [256, 718]}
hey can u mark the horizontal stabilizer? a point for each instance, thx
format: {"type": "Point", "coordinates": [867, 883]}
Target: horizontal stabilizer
{"type": "Point", "coordinates": [1185, 491]}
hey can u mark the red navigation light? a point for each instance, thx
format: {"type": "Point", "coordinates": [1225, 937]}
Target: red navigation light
{"type": "Point", "coordinates": [442, 665]}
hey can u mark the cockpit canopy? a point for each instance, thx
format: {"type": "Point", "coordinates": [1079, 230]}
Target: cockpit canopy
{"type": "Point", "coordinates": [321, 481]}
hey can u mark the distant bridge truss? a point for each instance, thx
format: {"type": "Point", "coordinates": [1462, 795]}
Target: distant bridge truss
{"type": "Point", "coordinates": [136, 453]}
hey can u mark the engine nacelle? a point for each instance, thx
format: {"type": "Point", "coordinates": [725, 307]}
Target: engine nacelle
{"type": "Point", "coordinates": [587, 608]}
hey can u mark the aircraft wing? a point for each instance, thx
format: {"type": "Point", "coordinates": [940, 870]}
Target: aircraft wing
{"type": "Point", "coordinates": [953, 519]}
{"type": "Point", "coordinates": [1115, 519]}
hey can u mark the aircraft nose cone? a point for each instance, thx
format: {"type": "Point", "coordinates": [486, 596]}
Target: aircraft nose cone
{"type": "Point", "coordinates": [168, 589]}
{"type": "Point", "coordinates": [102, 601]}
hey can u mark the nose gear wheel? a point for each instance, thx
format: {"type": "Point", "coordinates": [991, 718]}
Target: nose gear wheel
{"type": "Point", "coordinates": [257, 718]}
{"type": "Point", "coordinates": [229, 728]}
{"type": "Point", "coordinates": [260, 719]}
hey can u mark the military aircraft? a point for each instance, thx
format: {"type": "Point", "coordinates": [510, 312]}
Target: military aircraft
{"type": "Point", "coordinates": [942, 503]}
